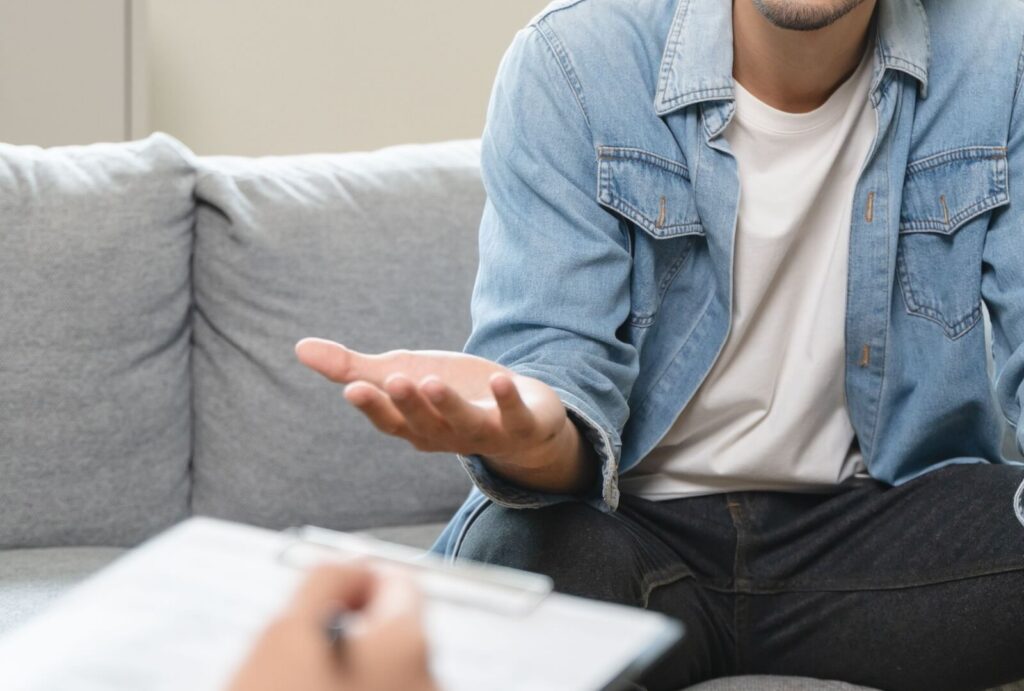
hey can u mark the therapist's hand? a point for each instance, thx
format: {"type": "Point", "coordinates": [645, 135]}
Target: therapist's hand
{"type": "Point", "coordinates": [384, 651]}
{"type": "Point", "coordinates": [457, 403]}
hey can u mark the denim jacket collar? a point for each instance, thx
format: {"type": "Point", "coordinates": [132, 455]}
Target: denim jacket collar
{"type": "Point", "coordinates": [694, 69]}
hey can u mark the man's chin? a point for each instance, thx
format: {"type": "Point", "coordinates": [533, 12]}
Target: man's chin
{"type": "Point", "coordinates": [804, 15]}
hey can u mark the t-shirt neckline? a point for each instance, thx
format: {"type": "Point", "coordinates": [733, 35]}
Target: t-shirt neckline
{"type": "Point", "coordinates": [753, 112]}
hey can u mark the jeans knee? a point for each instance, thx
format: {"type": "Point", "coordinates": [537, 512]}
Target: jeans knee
{"type": "Point", "coordinates": [510, 537]}
{"type": "Point", "coordinates": [585, 551]}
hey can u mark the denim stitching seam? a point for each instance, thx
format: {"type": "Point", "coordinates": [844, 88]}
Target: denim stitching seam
{"type": "Point", "coordinates": [1018, 504]}
{"type": "Point", "coordinates": [648, 224]}
{"type": "Point", "coordinates": [916, 308]}
{"type": "Point", "coordinates": [1020, 72]}
{"type": "Point", "coordinates": [671, 46]}
{"type": "Point", "coordinates": [987, 153]}
{"type": "Point", "coordinates": [561, 56]}
{"type": "Point", "coordinates": [739, 599]}
{"type": "Point", "coordinates": [461, 537]}
{"type": "Point", "coordinates": [888, 305]}
{"type": "Point", "coordinates": [708, 94]}
{"type": "Point", "coordinates": [633, 153]}
{"type": "Point", "coordinates": [914, 227]}
{"type": "Point", "coordinates": [767, 587]}
{"type": "Point", "coordinates": [905, 65]}
{"type": "Point", "coordinates": [653, 583]}
{"type": "Point", "coordinates": [670, 275]}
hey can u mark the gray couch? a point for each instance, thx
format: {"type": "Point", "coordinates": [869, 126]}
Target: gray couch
{"type": "Point", "coordinates": [149, 303]}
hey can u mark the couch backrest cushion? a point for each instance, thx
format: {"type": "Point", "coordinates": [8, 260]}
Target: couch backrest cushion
{"type": "Point", "coordinates": [95, 420]}
{"type": "Point", "coordinates": [377, 251]}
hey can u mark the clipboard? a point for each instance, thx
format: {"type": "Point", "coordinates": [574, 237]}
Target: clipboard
{"type": "Point", "coordinates": [497, 589]}
{"type": "Point", "coordinates": [183, 610]}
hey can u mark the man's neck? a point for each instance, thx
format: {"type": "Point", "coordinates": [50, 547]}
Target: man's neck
{"type": "Point", "coordinates": [796, 71]}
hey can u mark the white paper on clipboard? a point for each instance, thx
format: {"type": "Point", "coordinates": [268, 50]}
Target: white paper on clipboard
{"type": "Point", "coordinates": [183, 610]}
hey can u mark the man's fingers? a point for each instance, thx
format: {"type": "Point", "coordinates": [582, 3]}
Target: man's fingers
{"type": "Point", "coordinates": [377, 406]}
{"type": "Point", "coordinates": [516, 417]}
{"type": "Point", "coordinates": [420, 416]}
{"type": "Point", "coordinates": [330, 359]}
{"type": "Point", "coordinates": [468, 422]}
{"type": "Point", "coordinates": [340, 364]}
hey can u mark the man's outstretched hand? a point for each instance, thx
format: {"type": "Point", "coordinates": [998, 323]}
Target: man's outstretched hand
{"type": "Point", "coordinates": [453, 402]}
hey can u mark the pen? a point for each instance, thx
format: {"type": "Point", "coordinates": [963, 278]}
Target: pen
{"type": "Point", "coordinates": [337, 628]}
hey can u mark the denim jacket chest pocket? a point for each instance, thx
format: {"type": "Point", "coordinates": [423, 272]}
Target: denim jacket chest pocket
{"type": "Point", "coordinates": [947, 202]}
{"type": "Point", "coordinates": [654, 197]}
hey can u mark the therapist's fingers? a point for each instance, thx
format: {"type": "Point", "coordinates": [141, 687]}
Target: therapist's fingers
{"type": "Point", "coordinates": [394, 596]}
{"type": "Point", "coordinates": [333, 587]}
{"type": "Point", "coordinates": [389, 650]}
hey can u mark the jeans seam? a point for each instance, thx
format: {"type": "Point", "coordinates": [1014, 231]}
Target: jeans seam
{"type": "Point", "coordinates": [664, 568]}
{"type": "Point", "coordinates": [1018, 503]}
{"type": "Point", "coordinates": [739, 524]}
{"type": "Point", "coordinates": [770, 589]}
{"type": "Point", "coordinates": [739, 613]}
{"type": "Point", "coordinates": [651, 584]}
{"type": "Point", "coordinates": [741, 618]}
{"type": "Point", "coordinates": [461, 537]}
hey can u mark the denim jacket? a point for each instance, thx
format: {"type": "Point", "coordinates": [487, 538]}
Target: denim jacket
{"type": "Point", "coordinates": [606, 246]}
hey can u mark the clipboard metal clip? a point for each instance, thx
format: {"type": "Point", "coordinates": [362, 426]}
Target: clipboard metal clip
{"type": "Point", "coordinates": [482, 586]}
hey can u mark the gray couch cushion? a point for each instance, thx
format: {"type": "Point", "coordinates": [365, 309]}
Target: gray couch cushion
{"type": "Point", "coordinates": [421, 536]}
{"type": "Point", "coordinates": [95, 413]}
{"type": "Point", "coordinates": [377, 251]}
{"type": "Point", "coordinates": [30, 579]}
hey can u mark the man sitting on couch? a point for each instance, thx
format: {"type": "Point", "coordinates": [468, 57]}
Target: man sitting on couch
{"type": "Point", "coordinates": [729, 356]}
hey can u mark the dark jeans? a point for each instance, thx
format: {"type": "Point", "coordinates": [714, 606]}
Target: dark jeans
{"type": "Point", "coordinates": [912, 587]}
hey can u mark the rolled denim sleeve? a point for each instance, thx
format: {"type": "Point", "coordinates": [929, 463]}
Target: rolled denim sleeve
{"type": "Point", "coordinates": [554, 277]}
{"type": "Point", "coordinates": [1003, 277]}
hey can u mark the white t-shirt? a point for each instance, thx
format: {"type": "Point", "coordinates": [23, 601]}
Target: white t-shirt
{"type": "Point", "coordinates": [772, 413]}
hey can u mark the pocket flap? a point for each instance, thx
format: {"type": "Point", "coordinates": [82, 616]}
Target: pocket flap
{"type": "Point", "coordinates": [942, 192]}
{"type": "Point", "coordinates": [653, 192]}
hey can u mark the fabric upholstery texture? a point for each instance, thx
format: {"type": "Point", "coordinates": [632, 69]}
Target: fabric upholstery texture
{"type": "Point", "coordinates": [30, 579]}
{"type": "Point", "coordinates": [95, 421]}
{"type": "Point", "coordinates": [420, 536]}
{"type": "Point", "coordinates": [377, 251]}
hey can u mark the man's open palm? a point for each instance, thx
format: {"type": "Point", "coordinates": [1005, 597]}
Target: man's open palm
{"type": "Point", "coordinates": [443, 401]}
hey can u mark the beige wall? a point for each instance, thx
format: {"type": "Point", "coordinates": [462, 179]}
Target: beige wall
{"type": "Point", "coordinates": [290, 76]}
{"type": "Point", "coordinates": [64, 82]}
